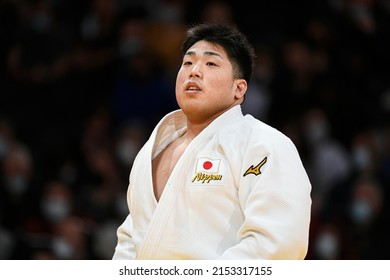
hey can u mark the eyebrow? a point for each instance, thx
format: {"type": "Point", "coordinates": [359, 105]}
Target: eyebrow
{"type": "Point", "coordinates": [207, 53]}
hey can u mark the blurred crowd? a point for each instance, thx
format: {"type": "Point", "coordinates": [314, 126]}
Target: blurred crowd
{"type": "Point", "coordinates": [82, 83]}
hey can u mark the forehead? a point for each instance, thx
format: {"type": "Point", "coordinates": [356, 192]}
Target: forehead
{"type": "Point", "coordinates": [207, 48]}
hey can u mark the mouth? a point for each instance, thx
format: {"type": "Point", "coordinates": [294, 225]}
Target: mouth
{"type": "Point", "coordinates": [192, 87]}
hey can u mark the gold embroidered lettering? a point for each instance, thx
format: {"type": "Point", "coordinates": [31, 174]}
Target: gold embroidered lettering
{"type": "Point", "coordinates": [206, 178]}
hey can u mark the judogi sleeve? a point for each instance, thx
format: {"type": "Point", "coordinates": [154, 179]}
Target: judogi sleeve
{"type": "Point", "coordinates": [275, 200]}
{"type": "Point", "coordinates": [125, 248]}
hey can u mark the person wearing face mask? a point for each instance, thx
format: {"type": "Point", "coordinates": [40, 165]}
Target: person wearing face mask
{"type": "Point", "coordinates": [17, 169]}
{"type": "Point", "coordinates": [368, 218]}
{"type": "Point", "coordinates": [211, 182]}
{"type": "Point", "coordinates": [56, 203]}
{"type": "Point", "coordinates": [16, 185]}
{"type": "Point", "coordinates": [366, 203]}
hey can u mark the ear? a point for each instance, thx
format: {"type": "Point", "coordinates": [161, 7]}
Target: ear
{"type": "Point", "coordinates": [241, 87]}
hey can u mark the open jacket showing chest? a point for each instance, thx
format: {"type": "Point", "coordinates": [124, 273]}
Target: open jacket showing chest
{"type": "Point", "coordinates": [239, 191]}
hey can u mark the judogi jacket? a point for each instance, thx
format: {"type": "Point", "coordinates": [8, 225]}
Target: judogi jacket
{"type": "Point", "coordinates": [239, 191]}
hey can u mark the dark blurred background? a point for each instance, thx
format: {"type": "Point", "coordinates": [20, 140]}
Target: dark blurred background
{"type": "Point", "coordinates": [82, 83]}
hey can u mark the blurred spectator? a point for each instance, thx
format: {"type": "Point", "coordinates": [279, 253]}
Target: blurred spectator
{"type": "Point", "coordinates": [16, 184]}
{"type": "Point", "coordinates": [100, 181]}
{"type": "Point", "coordinates": [7, 242]}
{"type": "Point", "coordinates": [57, 202]}
{"type": "Point", "coordinates": [104, 240]}
{"type": "Point", "coordinates": [168, 11]}
{"type": "Point", "coordinates": [219, 11]}
{"type": "Point", "coordinates": [129, 140]}
{"type": "Point", "coordinates": [326, 244]}
{"type": "Point", "coordinates": [366, 153]}
{"type": "Point", "coordinates": [329, 163]}
{"type": "Point", "coordinates": [366, 219]}
{"type": "Point", "coordinates": [6, 137]}
{"type": "Point", "coordinates": [141, 91]}
{"type": "Point", "coordinates": [70, 239]}
{"type": "Point", "coordinates": [259, 95]}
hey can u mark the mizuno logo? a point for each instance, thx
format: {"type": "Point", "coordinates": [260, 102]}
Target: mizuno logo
{"type": "Point", "coordinates": [255, 170]}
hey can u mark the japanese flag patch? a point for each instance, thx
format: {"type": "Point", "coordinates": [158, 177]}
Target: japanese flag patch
{"type": "Point", "coordinates": [207, 170]}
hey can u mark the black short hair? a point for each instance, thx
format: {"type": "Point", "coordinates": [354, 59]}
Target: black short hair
{"type": "Point", "coordinates": [236, 44]}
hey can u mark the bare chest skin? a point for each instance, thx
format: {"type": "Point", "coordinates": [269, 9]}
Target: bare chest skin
{"type": "Point", "coordinates": [163, 164]}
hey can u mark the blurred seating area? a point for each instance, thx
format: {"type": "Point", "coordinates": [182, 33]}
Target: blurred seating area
{"type": "Point", "coordinates": [82, 83]}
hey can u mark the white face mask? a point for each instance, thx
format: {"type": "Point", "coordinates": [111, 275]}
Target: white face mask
{"type": "Point", "coordinates": [126, 152]}
{"type": "Point", "coordinates": [63, 249]}
{"type": "Point", "coordinates": [327, 246]}
{"type": "Point", "coordinates": [361, 157]}
{"type": "Point", "coordinates": [361, 211]}
{"type": "Point", "coordinates": [55, 209]}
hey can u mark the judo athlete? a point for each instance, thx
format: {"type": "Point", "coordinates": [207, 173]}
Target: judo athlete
{"type": "Point", "coordinates": [211, 183]}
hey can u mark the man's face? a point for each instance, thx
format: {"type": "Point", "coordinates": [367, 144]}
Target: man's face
{"type": "Point", "coordinates": [205, 86]}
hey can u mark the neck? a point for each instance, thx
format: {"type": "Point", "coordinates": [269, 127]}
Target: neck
{"type": "Point", "coordinates": [193, 129]}
{"type": "Point", "coordinates": [196, 126]}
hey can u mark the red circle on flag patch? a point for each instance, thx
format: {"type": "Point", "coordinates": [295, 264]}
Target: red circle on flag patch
{"type": "Point", "coordinates": [207, 165]}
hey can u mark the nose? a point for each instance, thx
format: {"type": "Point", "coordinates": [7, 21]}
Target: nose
{"type": "Point", "coordinates": [195, 71]}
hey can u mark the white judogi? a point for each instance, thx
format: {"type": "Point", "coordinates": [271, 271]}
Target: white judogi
{"type": "Point", "coordinates": [239, 191]}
